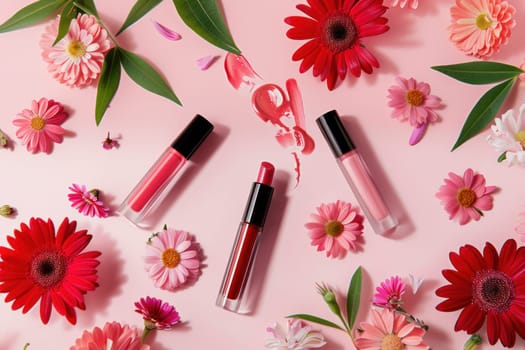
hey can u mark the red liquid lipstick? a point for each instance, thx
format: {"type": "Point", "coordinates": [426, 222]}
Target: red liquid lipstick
{"type": "Point", "coordinates": [242, 256]}
{"type": "Point", "coordinates": [356, 173]}
{"type": "Point", "coordinates": [159, 180]}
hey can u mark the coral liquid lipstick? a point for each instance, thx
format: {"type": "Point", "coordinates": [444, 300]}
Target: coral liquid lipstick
{"type": "Point", "coordinates": [159, 180]}
{"type": "Point", "coordinates": [242, 256]}
{"type": "Point", "coordinates": [356, 173]}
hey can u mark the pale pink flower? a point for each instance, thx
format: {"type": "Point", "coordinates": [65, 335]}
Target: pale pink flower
{"type": "Point", "coordinates": [390, 330]}
{"type": "Point", "coordinates": [87, 202]}
{"type": "Point", "coordinates": [508, 136]}
{"type": "Point", "coordinates": [76, 60]}
{"type": "Point", "coordinates": [39, 126]}
{"type": "Point", "coordinates": [172, 259]}
{"type": "Point", "coordinates": [520, 227]}
{"type": "Point", "coordinates": [412, 101]}
{"type": "Point", "coordinates": [402, 3]}
{"type": "Point", "coordinates": [299, 336]}
{"type": "Point", "coordinates": [156, 313]}
{"type": "Point", "coordinates": [480, 27]}
{"type": "Point", "coordinates": [336, 228]}
{"type": "Point", "coordinates": [464, 197]}
{"type": "Point", "coordinates": [389, 293]}
{"type": "Point", "coordinates": [112, 336]}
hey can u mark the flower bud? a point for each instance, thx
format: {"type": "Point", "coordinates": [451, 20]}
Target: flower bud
{"type": "Point", "coordinates": [6, 210]}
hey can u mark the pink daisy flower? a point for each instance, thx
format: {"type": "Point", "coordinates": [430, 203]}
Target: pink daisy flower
{"type": "Point", "coordinates": [465, 197]}
{"type": "Point", "coordinates": [156, 313]}
{"type": "Point", "coordinates": [76, 60]}
{"type": "Point", "coordinates": [336, 228]}
{"type": "Point", "coordinates": [390, 330]}
{"type": "Point", "coordinates": [412, 101]}
{"type": "Point", "coordinates": [402, 3]}
{"type": "Point", "coordinates": [172, 259]}
{"type": "Point", "coordinates": [87, 202]}
{"type": "Point", "coordinates": [112, 336]}
{"type": "Point", "coordinates": [389, 292]}
{"type": "Point", "coordinates": [39, 126]}
{"type": "Point", "coordinates": [480, 27]}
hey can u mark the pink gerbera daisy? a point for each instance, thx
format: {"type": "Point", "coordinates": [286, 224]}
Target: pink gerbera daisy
{"type": "Point", "coordinates": [412, 101]}
{"type": "Point", "coordinates": [389, 292]}
{"type": "Point", "coordinates": [87, 202]}
{"type": "Point", "coordinates": [465, 197]}
{"type": "Point", "coordinates": [156, 313]}
{"type": "Point", "coordinates": [39, 126]}
{"type": "Point", "coordinates": [112, 336]}
{"type": "Point", "coordinates": [76, 60]}
{"type": "Point", "coordinates": [334, 30]}
{"type": "Point", "coordinates": [336, 228]}
{"type": "Point", "coordinates": [480, 27]}
{"type": "Point", "coordinates": [390, 330]}
{"type": "Point", "coordinates": [172, 259]}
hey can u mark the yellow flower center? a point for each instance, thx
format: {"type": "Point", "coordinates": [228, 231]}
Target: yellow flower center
{"type": "Point", "coordinates": [38, 123]}
{"type": "Point", "coordinates": [170, 258]}
{"type": "Point", "coordinates": [483, 21]}
{"type": "Point", "coordinates": [415, 97]}
{"type": "Point", "coordinates": [520, 137]}
{"type": "Point", "coordinates": [392, 342]}
{"type": "Point", "coordinates": [466, 197]}
{"type": "Point", "coordinates": [333, 228]}
{"type": "Point", "coordinates": [76, 49]}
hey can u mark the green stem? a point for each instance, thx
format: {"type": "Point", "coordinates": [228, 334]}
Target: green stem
{"type": "Point", "coordinates": [145, 333]}
{"type": "Point", "coordinates": [411, 318]}
{"type": "Point", "coordinates": [26, 346]}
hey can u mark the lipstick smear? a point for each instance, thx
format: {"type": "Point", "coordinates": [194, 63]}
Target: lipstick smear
{"type": "Point", "coordinates": [240, 73]}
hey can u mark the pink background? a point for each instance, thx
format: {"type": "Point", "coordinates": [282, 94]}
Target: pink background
{"type": "Point", "coordinates": [211, 194]}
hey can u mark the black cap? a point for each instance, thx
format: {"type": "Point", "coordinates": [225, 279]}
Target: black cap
{"type": "Point", "coordinates": [335, 133]}
{"type": "Point", "coordinates": [258, 204]}
{"type": "Point", "coordinates": [192, 136]}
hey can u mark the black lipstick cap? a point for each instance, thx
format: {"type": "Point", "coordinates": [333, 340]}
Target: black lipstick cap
{"type": "Point", "coordinates": [335, 133]}
{"type": "Point", "coordinates": [192, 136]}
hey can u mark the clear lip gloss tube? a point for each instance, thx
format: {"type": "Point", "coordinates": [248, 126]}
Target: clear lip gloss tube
{"type": "Point", "coordinates": [233, 289]}
{"type": "Point", "coordinates": [356, 173]}
{"type": "Point", "coordinates": [160, 178]}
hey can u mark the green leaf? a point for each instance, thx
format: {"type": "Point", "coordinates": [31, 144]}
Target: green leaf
{"type": "Point", "coordinates": [108, 82]}
{"type": "Point", "coordinates": [68, 13]}
{"type": "Point", "coordinates": [87, 6]}
{"type": "Point", "coordinates": [502, 157]}
{"type": "Point", "coordinates": [146, 76]}
{"type": "Point", "coordinates": [31, 14]}
{"type": "Point", "coordinates": [353, 297]}
{"type": "Point", "coordinates": [480, 72]}
{"type": "Point", "coordinates": [138, 11]}
{"type": "Point", "coordinates": [315, 319]}
{"type": "Point", "coordinates": [484, 111]}
{"type": "Point", "coordinates": [205, 18]}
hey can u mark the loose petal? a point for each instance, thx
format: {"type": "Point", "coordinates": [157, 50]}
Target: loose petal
{"type": "Point", "coordinates": [205, 62]}
{"type": "Point", "coordinates": [166, 32]}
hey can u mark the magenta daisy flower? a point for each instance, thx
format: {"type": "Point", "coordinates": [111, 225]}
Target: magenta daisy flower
{"type": "Point", "coordinates": [389, 293]}
{"type": "Point", "coordinates": [465, 197]}
{"type": "Point", "coordinates": [336, 228]}
{"type": "Point", "coordinates": [172, 259]}
{"type": "Point", "coordinates": [76, 60]}
{"type": "Point", "coordinates": [156, 313]}
{"type": "Point", "coordinates": [39, 126]}
{"type": "Point", "coordinates": [87, 202]}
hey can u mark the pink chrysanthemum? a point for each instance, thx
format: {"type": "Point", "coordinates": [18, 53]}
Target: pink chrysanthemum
{"type": "Point", "coordinates": [87, 202]}
{"type": "Point", "coordinates": [336, 228]}
{"type": "Point", "coordinates": [76, 60]}
{"type": "Point", "coordinates": [389, 293]}
{"type": "Point", "coordinates": [39, 126]}
{"type": "Point", "coordinates": [480, 27]}
{"type": "Point", "coordinates": [299, 336]}
{"type": "Point", "coordinates": [112, 336]}
{"type": "Point", "coordinates": [334, 31]}
{"type": "Point", "coordinates": [390, 331]}
{"type": "Point", "coordinates": [402, 3]}
{"type": "Point", "coordinates": [172, 259]}
{"type": "Point", "coordinates": [465, 197]}
{"type": "Point", "coordinates": [156, 313]}
{"type": "Point", "coordinates": [412, 101]}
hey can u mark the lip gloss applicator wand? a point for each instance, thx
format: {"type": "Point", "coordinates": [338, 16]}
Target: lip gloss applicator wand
{"type": "Point", "coordinates": [233, 289]}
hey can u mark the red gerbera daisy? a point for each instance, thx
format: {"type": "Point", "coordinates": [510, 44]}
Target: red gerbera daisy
{"type": "Point", "coordinates": [334, 31]}
{"type": "Point", "coordinates": [488, 286]}
{"type": "Point", "coordinates": [47, 267]}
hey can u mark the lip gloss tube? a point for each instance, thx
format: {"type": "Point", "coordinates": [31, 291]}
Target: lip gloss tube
{"type": "Point", "coordinates": [160, 178]}
{"type": "Point", "coordinates": [233, 289]}
{"type": "Point", "coordinates": [356, 173]}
